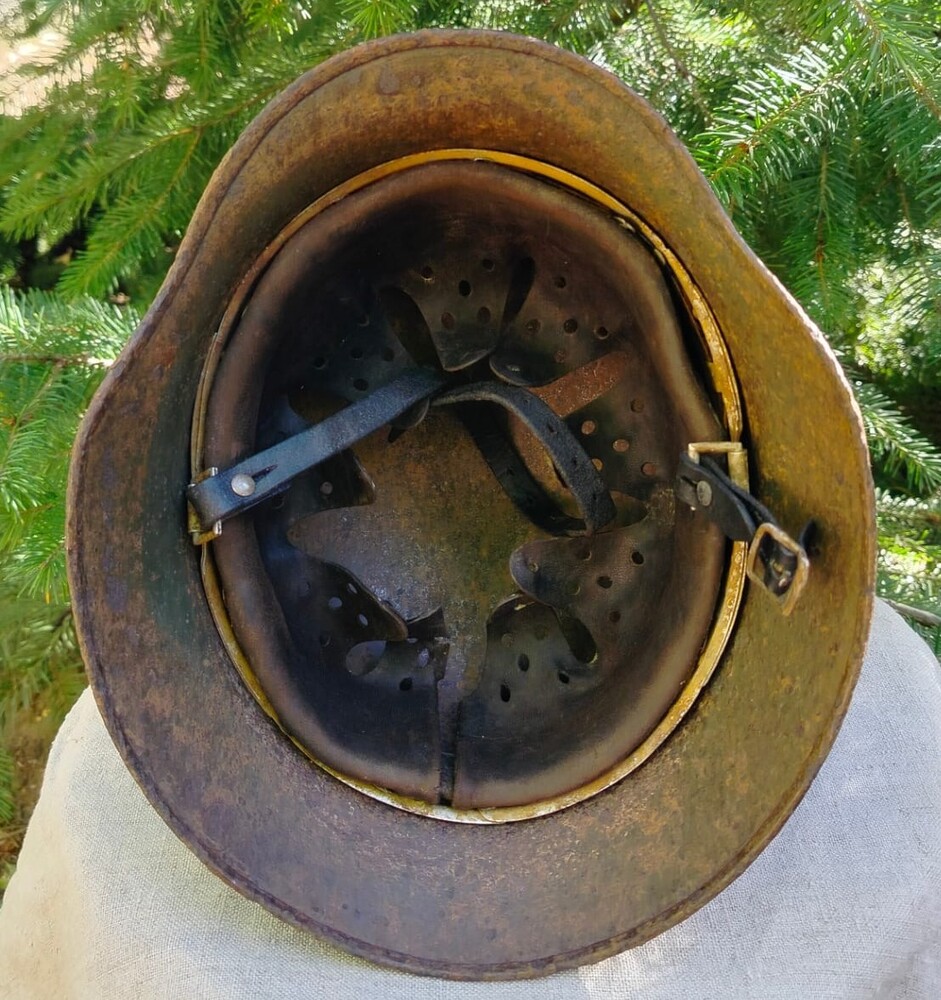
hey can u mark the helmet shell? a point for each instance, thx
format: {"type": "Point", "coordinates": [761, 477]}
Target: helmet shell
{"type": "Point", "coordinates": [487, 901]}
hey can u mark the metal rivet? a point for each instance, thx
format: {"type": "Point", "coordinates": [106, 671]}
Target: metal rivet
{"type": "Point", "coordinates": [704, 493]}
{"type": "Point", "coordinates": [242, 485]}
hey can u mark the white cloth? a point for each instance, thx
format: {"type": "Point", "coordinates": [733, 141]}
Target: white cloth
{"type": "Point", "coordinates": [106, 904]}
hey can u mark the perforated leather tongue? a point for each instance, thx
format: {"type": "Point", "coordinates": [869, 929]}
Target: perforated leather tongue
{"type": "Point", "coordinates": [431, 611]}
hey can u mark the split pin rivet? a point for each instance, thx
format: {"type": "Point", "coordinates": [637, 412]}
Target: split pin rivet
{"type": "Point", "coordinates": [704, 493]}
{"type": "Point", "coordinates": [242, 485]}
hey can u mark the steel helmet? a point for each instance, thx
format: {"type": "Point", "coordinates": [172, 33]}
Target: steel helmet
{"type": "Point", "coordinates": [472, 551]}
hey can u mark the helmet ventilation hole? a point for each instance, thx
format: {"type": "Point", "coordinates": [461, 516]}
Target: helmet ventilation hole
{"type": "Point", "coordinates": [504, 692]}
{"type": "Point", "coordinates": [334, 603]}
{"type": "Point", "coordinates": [405, 684]}
{"type": "Point", "coordinates": [523, 662]}
{"type": "Point", "coordinates": [564, 677]}
{"type": "Point", "coordinates": [464, 288]}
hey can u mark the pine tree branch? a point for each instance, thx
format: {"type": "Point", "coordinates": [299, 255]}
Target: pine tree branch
{"type": "Point", "coordinates": [820, 249]}
{"type": "Point", "coordinates": [24, 415]}
{"type": "Point", "coordinates": [789, 108]}
{"type": "Point", "coordinates": [681, 68]}
{"type": "Point", "coordinates": [94, 268]}
{"type": "Point", "coordinates": [895, 443]}
{"type": "Point", "coordinates": [885, 44]}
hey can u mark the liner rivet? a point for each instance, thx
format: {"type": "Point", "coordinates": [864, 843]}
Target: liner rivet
{"type": "Point", "coordinates": [242, 485]}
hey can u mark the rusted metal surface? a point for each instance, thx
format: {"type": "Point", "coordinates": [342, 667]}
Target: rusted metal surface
{"type": "Point", "coordinates": [400, 888]}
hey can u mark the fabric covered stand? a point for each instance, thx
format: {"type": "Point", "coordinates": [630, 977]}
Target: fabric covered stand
{"type": "Point", "coordinates": [846, 902]}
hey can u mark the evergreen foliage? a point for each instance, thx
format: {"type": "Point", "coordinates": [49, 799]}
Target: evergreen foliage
{"type": "Point", "coordinates": [817, 123]}
{"type": "Point", "coordinates": [53, 355]}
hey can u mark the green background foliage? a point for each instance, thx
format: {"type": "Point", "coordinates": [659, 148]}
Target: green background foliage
{"type": "Point", "coordinates": [817, 123]}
